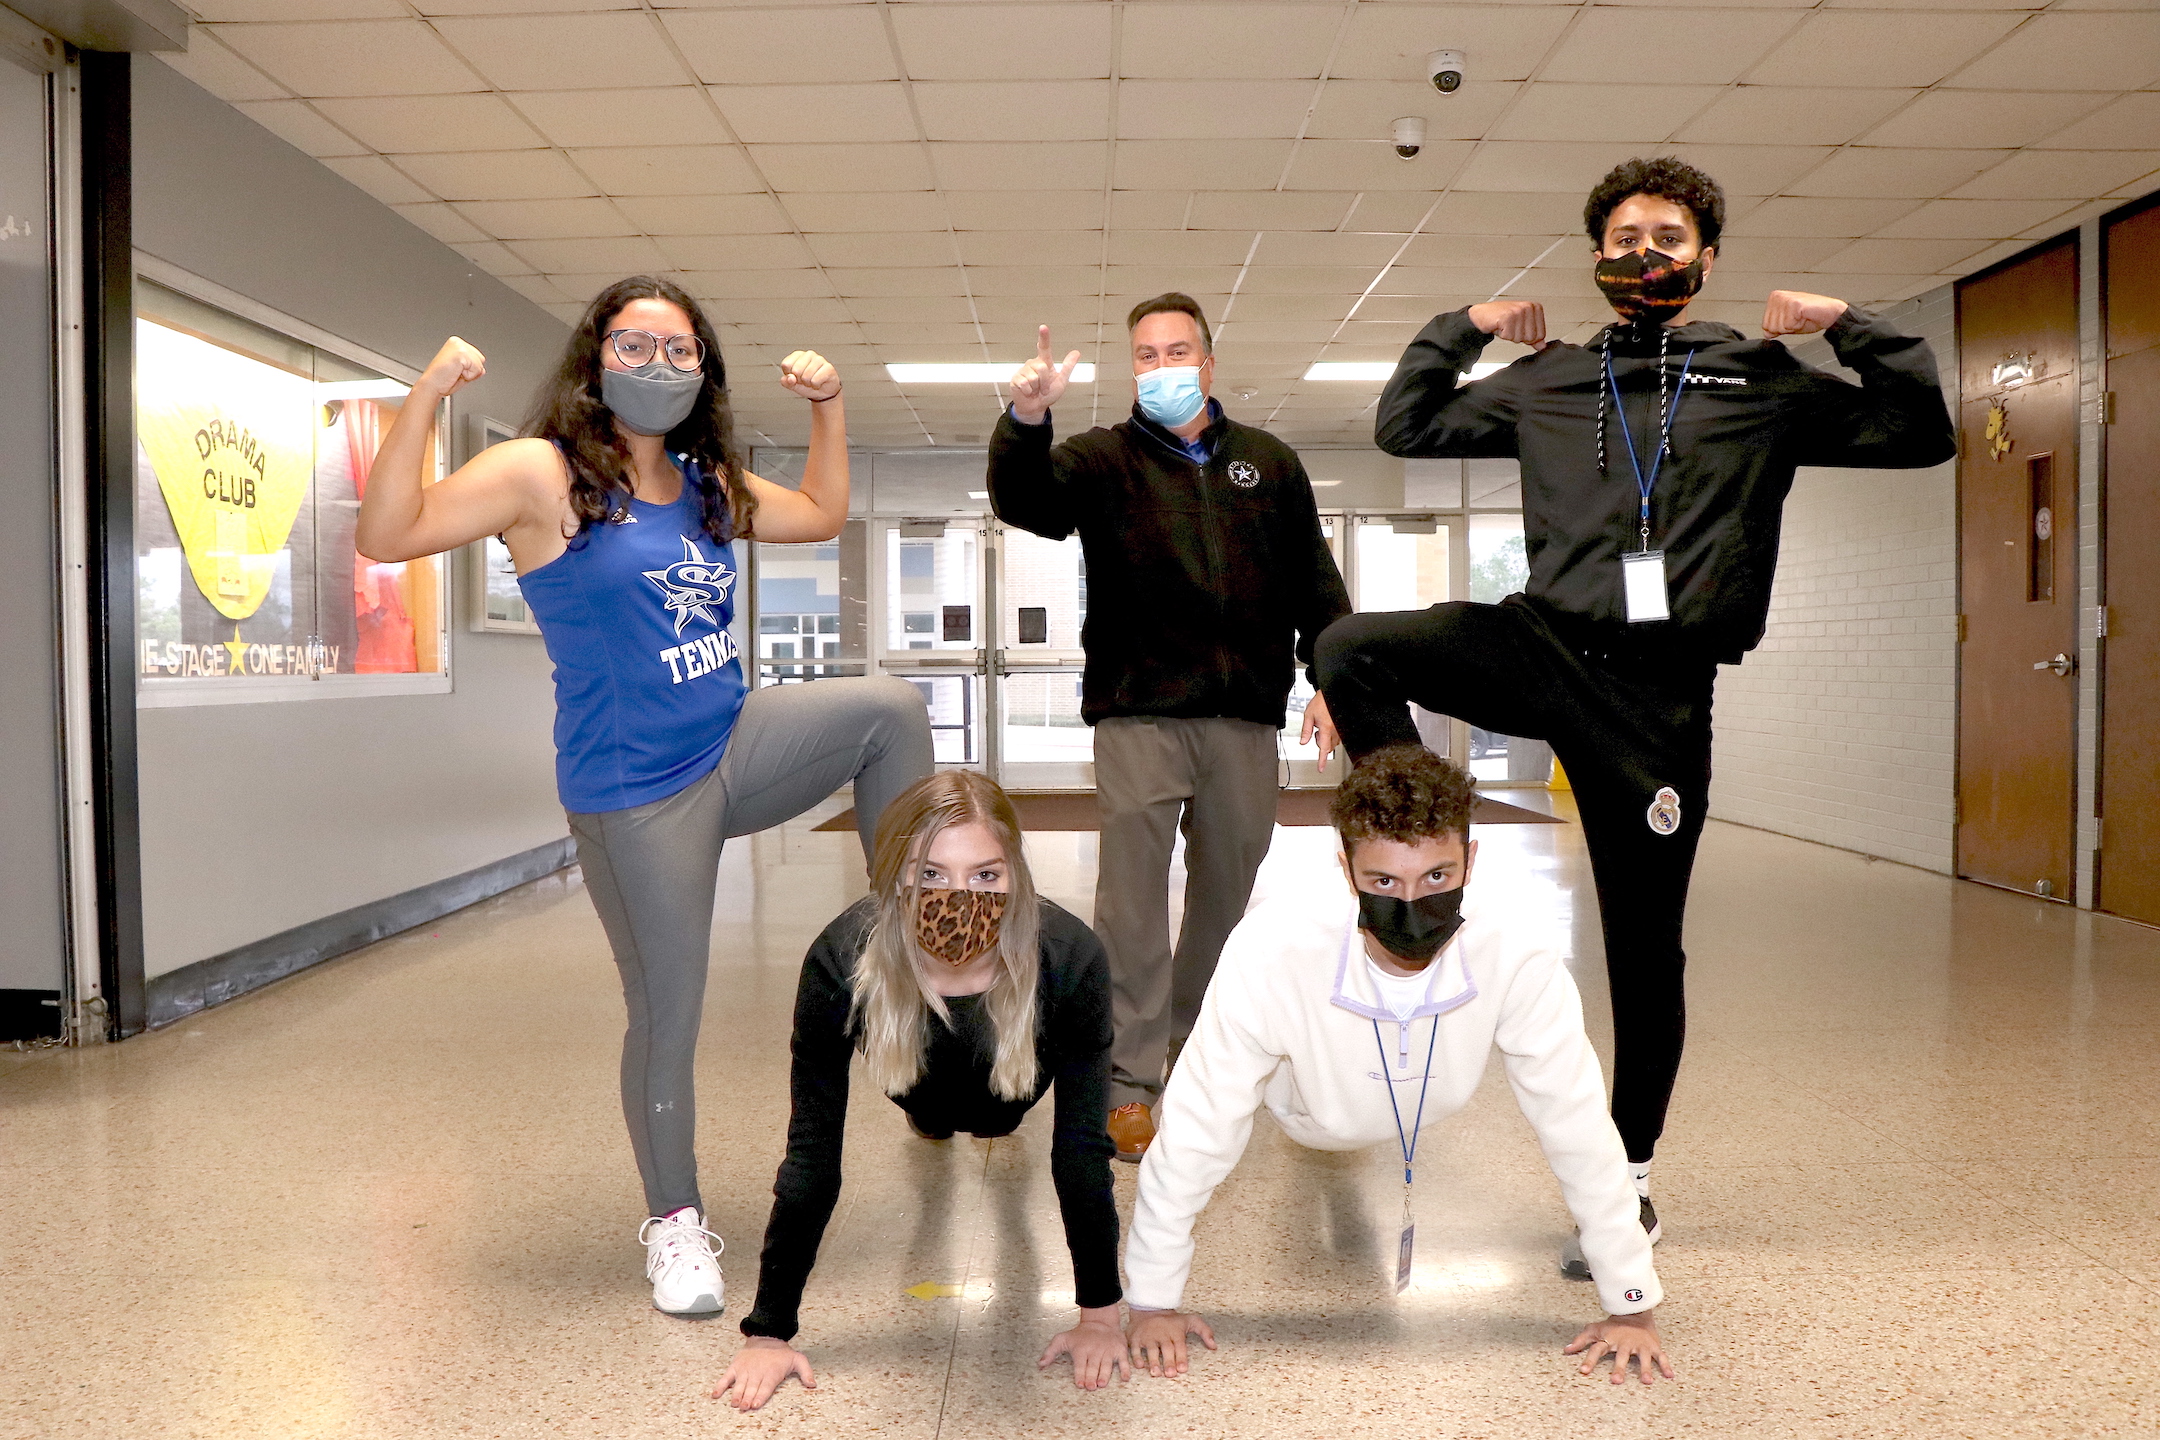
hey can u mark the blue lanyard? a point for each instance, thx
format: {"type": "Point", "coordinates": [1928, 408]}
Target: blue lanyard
{"type": "Point", "coordinates": [1644, 484]}
{"type": "Point", "coordinates": [1408, 1142]}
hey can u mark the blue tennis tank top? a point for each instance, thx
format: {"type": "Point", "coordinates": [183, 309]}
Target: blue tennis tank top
{"type": "Point", "coordinates": [647, 680]}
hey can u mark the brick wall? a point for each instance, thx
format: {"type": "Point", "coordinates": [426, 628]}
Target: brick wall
{"type": "Point", "coordinates": [1841, 727]}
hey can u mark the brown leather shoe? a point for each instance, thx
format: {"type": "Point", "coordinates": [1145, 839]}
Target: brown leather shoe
{"type": "Point", "coordinates": [1132, 1129]}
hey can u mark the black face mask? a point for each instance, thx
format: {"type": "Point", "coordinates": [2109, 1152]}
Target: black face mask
{"type": "Point", "coordinates": [1649, 287]}
{"type": "Point", "coordinates": [1412, 929]}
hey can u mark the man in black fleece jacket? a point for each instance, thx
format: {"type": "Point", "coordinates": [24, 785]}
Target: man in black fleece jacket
{"type": "Point", "coordinates": [1208, 580]}
{"type": "Point", "coordinates": [1669, 441]}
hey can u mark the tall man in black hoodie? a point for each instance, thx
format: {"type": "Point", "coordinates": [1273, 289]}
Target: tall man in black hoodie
{"type": "Point", "coordinates": [1655, 464]}
{"type": "Point", "coordinates": [1208, 579]}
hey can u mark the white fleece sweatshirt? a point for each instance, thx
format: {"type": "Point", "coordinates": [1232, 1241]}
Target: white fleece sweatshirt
{"type": "Point", "coordinates": [1288, 1022]}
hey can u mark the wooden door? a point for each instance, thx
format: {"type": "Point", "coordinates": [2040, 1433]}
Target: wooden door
{"type": "Point", "coordinates": [2129, 776]}
{"type": "Point", "coordinates": [2017, 518]}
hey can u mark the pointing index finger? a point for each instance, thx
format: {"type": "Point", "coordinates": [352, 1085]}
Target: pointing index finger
{"type": "Point", "coordinates": [1042, 344]}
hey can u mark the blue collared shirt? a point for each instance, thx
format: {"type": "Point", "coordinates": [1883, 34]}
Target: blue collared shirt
{"type": "Point", "coordinates": [1197, 449]}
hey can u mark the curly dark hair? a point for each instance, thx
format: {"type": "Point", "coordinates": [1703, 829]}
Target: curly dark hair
{"type": "Point", "coordinates": [1667, 178]}
{"type": "Point", "coordinates": [1173, 303]}
{"type": "Point", "coordinates": [1405, 793]}
{"type": "Point", "coordinates": [568, 410]}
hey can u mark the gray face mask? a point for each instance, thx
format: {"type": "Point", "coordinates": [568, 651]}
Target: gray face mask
{"type": "Point", "coordinates": [651, 401]}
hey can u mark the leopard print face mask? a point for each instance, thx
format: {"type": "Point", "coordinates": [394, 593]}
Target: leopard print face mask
{"type": "Point", "coordinates": [958, 925]}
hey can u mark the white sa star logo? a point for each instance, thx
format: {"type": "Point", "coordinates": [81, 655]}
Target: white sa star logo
{"type": "Point", "coordinates": [693, 586]}
{"type": "Point", "coordinates": [1244, 474]}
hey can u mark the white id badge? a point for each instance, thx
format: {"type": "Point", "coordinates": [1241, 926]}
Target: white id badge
{"type": "Point", "coordinates": [1402, 1257]}
{"type": "Point", "coordinates": [1643, 576]}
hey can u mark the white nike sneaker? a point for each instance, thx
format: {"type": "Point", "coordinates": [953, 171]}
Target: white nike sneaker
{"type": "Point", "coordinates": [681, 1260]}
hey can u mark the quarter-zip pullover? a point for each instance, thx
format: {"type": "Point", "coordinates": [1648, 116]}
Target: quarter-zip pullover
{"type": "Point", "coordinates": [1207, 582]}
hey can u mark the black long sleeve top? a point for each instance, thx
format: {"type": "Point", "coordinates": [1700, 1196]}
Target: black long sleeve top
{"type": "Point", "coordinates": [1072, 1047]}
{"type": "Point", "coordinates": [1207, 583]}
{"type": "Point", "coordinates": [1752, 413]}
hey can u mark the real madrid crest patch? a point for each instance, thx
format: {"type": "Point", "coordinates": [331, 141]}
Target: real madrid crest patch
{"type": "Point", "coordinates": [1664, 814]}
{"type": "Point", "coordinates": [1244, 474]}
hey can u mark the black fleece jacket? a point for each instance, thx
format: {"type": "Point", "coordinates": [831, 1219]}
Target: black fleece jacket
{"type": "Point", "coordinates": [1072, 1047]}
{"type": "Point", "coordinates": [1199, 576]}
{"type": "Point", "coordinates": [1751, 415]}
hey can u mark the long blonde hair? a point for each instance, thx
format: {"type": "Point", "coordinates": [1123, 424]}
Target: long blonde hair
{"type": "Point", "coordinates": [893, 998]}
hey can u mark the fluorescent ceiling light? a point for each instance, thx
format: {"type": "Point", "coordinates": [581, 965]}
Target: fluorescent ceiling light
{"type": "Point", "coordinates": [993, 374]}
{"type": "Point", "coordinates": [1370, 370]}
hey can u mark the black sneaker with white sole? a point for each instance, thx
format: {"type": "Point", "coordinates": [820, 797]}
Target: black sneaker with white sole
{"type": "Point", "coordinates": [1572, 1264]}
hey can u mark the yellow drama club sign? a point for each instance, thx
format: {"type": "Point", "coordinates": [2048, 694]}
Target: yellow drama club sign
{"type": "Point", "coordinates": [232, 442]}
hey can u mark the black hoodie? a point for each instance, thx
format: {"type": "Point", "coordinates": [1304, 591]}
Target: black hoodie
{"type": "Point", "coordinates": [1198, 575]}
{"type": "Point", "coordinates": [1751, 415]}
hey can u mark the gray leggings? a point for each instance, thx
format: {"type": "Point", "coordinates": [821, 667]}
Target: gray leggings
{"type": "Point", "coordinates": [652, 871]}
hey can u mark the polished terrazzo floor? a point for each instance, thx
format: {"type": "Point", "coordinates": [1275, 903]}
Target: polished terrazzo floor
{"type": "Point", "coordinates": [1911, 1188]}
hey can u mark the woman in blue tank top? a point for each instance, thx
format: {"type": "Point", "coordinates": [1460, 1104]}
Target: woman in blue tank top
{"type": "Point", "coordinates": [620, 510]}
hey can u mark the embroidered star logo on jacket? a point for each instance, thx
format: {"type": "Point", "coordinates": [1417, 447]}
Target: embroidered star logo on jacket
{"type": "Point", "coordinates": [1244, 474]}
{"type": "Point", "coordinates": [694, 587]}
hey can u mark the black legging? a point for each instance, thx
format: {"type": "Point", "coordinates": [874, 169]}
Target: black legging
{"type": "Point", "coordinates": [1625, 721]}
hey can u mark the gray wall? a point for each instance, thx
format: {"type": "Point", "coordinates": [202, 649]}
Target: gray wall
{"type": "Point", "coordinates": [259, 818]}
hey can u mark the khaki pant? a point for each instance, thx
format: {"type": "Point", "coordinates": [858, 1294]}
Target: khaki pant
{"type": "Point", "coordinates": [1216, 780]}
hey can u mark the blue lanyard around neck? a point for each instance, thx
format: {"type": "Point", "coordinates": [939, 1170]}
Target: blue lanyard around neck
{"type": "Point", "coordinates": [1644, 484]}
{"type": "Point", "coordinates": [1408, 1142]}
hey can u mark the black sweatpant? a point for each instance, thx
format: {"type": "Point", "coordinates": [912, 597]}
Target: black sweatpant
{"type": "Point", "coordinates": [1626, 721]}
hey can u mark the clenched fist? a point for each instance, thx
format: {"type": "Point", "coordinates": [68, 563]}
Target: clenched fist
{"type": "Point", "coordinates": [1522, 321]}
{"type": "Point", "coordinates": [454, 367]}
{"type": "Point", "coordinates": [810, 375]}
{"type": "Point", "coordinates": [1037, 385]}
{"type": "Point", "coordinates": [1795, 312]}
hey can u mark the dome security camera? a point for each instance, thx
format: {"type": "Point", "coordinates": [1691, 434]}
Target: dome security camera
{"type": "Point", "coordinates": [1445, 69]}
{"type": "Point", "coordinates": [1409, 136]}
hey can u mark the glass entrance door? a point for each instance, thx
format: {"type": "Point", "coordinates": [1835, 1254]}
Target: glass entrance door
{"type": "Point", "coordinates": [931, 629]}
{"type": "Point", "coordinates": [1409, 560]}
{"type": "Point", "coordinates": [1040, 605]}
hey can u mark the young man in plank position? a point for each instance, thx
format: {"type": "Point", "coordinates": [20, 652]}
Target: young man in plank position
{"type": "Point", "coordinates": [1385, 963]}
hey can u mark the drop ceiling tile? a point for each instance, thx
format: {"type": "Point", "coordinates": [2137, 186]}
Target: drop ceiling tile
{"type": "Point", "coordinates": [1309, 279]}
{"type": "Point", "coordinates": [1302, 332]}
{"type": "Point", "coordinates": [1028, 247]}
{"type": "Point", "coordinates": [1754, 169]}
{"type": "Point", "coordinates": [1882, 257]}
{"type": "Point", "coordinates": [216, 69]}
{"type": "Point", "coordinates": [1994, 254]}
{"type": "Point", "coordinates": [1269, 210]}
{"type": "Point", "coordinates": [1068, 164]}
{"type": "Point", "coordinates": [1295, 248]}
{"type": "Point", "coordinates": [1569, 169]}
{"type": "Point", "coordinates": [498, 175]}
{"type": "Point", "coordinates": [1510, 252]}
{"type": "Point", "coordinates": [848, 114]}
{"type": "Point", "coordinates": [1388, 212]}
{"type": "Point", "coordinates": [545, 219]}
{"type": "Point", "coordinates": [854, 212]}
{"type": "Point", "coordinates": [221, 10]}
{"type": "Point", "coordinates": [785, 336]}
{"type": "Point", "coordinates": [913, 337]}
{"type": "Point", "coordinates": [1374, 165]}
{"type": "Point", "coordinates": [1004, 42]}
{"type": "Point", "coordinates": [536, 288]}
{"type": "Point", "coordinates": [1116, 306]}
{"type": "Point", "coordinates": [669, 170]}
{"type": "Point", "coordinates": [2128, 123]}
{"type": "Point", "coordinates": [1475, 212]}
{"type": "Point", "coordinates": [791, 45]}
{"type": "Point", "coordinates": [300, 126]}
{"type": "Point", "coordinates": [1134, 246]}
{"type": "Point", "coordinates": [361, 57]}
{"type": "Point", "coordinates": [758, 284]}
{"type": "Point", "coordinates": [1670, 46]}
{"type": "Point", "coordinates": [1067, 316]}
{"type": "Point", "coordinates": [1213, 109]}
{"type": "Point", "coordinates": [1368, 109]}
{"type": "Point", "coordinates": [821, 168]}
{"type": "Point", "coordinates": [1787, 216]}
{"type": "Point", "coordinates": [1255, 306]}
{"type": "Point", "coordinates": [1615, 114]}
{"type": "Point", "coordinates": [1778, 254]}
{"type": "Point", "coordinates": [1390, 42]}
{"type": "Point", "coordinates": [1790, 115]}
{"type": "Point", "coordinates": [2071, 52]}
{"type": "Point", "coordinates": [798, 311]}
{"type": "Point", "coordinates": [929, 309]}
{"type": "Point", "coordinates": [1014, 109]}
{"type": "Point", "coordinates": [897, 280]}
{"type": "Point", "coordinates": [1871, 49]}
{"type": "Point", "coordinates": [1902, 172]}
{"type": "Point", "coordinates": [1149, 209]}
{"type": "Point", "coordinates": [1030, 280]}
{"type": "Point", "coordinates": [617, 255]}
{"type": "Point", "coordinates": [1247, 41]}
{"type": "Point", "coordinates": [567, 312]}
{"type": "Point", "coordinates": [1199, 164]}
{"type": "Point", "coordinates": [736, 252]}
{"type": "Point", "coordinates": [1481, 281]}
{"type": "Point", "coordinates": [415, 124]}
{"type": "Point", "coordinates": [705, 214]}
{"type": "Point", "coordinates": [904, 247]}
{"type": "Point", "coordinates": [1979, 118]}
{"type": "Point", "coordinates": [1422, 308]}
{"type": "Point", "coordinates": [375, 175]}
{"type": "Point", "coordinates": [2061, 174]}
{"type": "Point", "coordinates": [1050, 209]}
{"type": "Point", "coordinates": [493, 257]}
{"type": "Point", "coordinates": [446, 225]}
{"type": "Point", "coordinates": [1161, 279]}
{"type": "Point", "coordinates": [676, 115]}
{"type": "Point", "coordinates": [1972, 219]}
{"type": "Point", "coordinates": [618, 51]}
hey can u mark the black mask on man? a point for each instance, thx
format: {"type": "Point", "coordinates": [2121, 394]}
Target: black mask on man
{"type": "Point", "coordinates": [1649, 287]}
{"type": "Point", "coordinates": [1412, 929]}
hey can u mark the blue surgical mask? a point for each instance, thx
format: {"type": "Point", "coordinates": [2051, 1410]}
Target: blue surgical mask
{"type": "Point", "coordinates": [1170, 395]}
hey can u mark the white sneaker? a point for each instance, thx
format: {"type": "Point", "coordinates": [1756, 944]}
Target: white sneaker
{"type": "Point", "coordinates": [681, 1260]}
